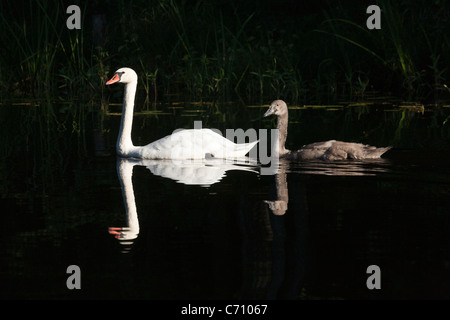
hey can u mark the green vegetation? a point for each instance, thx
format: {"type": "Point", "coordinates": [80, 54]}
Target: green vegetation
{"type": "Point", "coordinates": [230, 50]}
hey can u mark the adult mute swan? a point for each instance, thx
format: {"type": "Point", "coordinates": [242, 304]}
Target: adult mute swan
{"type": "Point", "coordinates": [182, 144]}
{"type": "Point", "coordinates": [327, 150]}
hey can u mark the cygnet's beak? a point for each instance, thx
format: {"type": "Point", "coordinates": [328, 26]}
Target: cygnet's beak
{"type": "Point", "coordinates": [114, 79]}
{"type": "Point", "coordinates": [270, 111]}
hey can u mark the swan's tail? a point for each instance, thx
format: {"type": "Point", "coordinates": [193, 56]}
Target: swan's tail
{"type": "Point", "coordinates": [375, 153]}
{"type": "Point", "coordinates": [241, 149]}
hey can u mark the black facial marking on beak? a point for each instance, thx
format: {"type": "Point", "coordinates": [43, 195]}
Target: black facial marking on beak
{"type": "Point", "coordinates": [120, 74]}
{"type": "Point", "coordinates": [116, 78]}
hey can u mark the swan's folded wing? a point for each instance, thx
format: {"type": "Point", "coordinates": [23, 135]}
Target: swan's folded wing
{"type": "Point", "coordinates": [319, 145]}
{"type": "Point", "coordinates": [195, 144]}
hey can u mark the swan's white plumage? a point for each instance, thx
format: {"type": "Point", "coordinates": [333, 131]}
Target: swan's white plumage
{"type": "Point", "coordinates": [194, 144]}
{"type": "Point", "coordinates": [182, 144]}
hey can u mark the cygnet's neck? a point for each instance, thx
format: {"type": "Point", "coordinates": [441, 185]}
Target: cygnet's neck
{"type": "Point", "coordinates": [282, 126]}
{"type": "Point", "coordinates": [124, 143]}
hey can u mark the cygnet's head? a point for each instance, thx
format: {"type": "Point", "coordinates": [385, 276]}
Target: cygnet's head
{"type": "Point", "coordinates": [278, 108]}
{"type": "Point", "coordinates": [278, 207]}
{"type": "Point", "coordinates": [123, 75]}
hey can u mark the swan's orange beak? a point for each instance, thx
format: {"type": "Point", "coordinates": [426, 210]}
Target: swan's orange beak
{"type": "Point", "coordinates": [115, 232]}
{"type": "Point", "coordinates": [114, 79]}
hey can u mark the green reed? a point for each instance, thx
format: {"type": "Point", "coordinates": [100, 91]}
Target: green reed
{"type": "Point", "coordinates": [31, 47]}
{"type": "Point", "coordinates": [43, 58]}
{"type": "Point", "coordinates": [410, 49]}
{"type": "Point", "coordinates": [211, 51]}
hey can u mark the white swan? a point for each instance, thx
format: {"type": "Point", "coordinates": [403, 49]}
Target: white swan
{"type": "Point", "coordinates": [183, 144]}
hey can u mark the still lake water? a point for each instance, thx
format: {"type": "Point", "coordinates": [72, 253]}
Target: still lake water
{"type": "Point", "coordinates": [223, 231]}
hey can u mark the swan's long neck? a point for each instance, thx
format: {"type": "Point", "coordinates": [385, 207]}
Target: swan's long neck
{"type": "Point", "coordinates": [282, 126]}
{"type": "Point", "coordinates": [124, 143]}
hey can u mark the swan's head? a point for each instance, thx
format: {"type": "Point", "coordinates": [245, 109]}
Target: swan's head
{"type": "Point", "coordinates": [278, 108]}
{"type": "Point", "coordinates": [123, 75]}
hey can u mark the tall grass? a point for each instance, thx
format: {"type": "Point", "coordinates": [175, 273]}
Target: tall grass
{"type": "Point", "coordinates": [32, 48]}
{"type": "Point", "coordinates": [43, 58]}
{"type": "Point", "coordinates": [219, 51]}
{"type": "Point", "coordinates": [408, 56]}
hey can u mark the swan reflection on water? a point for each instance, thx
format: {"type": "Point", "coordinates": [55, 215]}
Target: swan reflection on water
{"type": "Point", "coordinates": [204, 173]}
{"type": "Point", "coordinates": [275, 241]}
{"type": "Point", "coordinates": [207, 172]}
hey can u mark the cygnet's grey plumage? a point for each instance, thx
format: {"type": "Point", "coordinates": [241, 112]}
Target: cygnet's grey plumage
{"type": "Point", "coordinates": [327, 150]}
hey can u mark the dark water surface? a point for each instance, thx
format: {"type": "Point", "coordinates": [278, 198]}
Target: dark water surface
{"type": "Point", "coordinates": [308, 232]}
